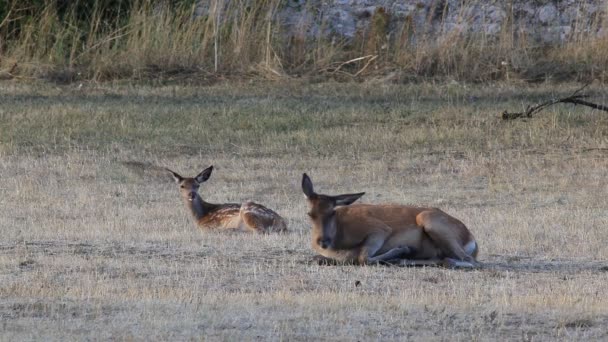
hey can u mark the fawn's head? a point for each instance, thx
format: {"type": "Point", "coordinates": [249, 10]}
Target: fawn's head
{"type": "Point", "coordinates": [188, 187]}
{"type": "Point", "coordinates": [322, 212]}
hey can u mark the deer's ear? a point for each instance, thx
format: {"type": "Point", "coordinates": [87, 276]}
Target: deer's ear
{"type": "Point", "coordinates": [204, 175]}
{"type": "Point", "coordinates": [307, 187]}
{"type": "Point", "coordinates": [346, 199]}
{"type": "Point", "coordinates": [176, 176]}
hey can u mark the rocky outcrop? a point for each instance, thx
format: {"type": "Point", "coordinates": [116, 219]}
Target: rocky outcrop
{"type": "Point", "coordinates": [548, 22]}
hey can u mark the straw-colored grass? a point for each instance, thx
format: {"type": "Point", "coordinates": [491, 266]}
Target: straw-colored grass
{"type": "Point", "coordinates": [96, 243]}
{"type": "Point", "coordinates": [163, 43]}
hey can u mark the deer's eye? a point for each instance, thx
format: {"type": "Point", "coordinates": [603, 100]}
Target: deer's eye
{"type": "Point", "coordinates": [182, 186]}
{"type": "Point", "coordinates": [312, 215]}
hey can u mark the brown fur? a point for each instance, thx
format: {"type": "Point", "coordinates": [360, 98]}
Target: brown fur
{"type": "Point", "coordinates": [367, 233]}
{"type": "Point", "coordinates": [249, 216]}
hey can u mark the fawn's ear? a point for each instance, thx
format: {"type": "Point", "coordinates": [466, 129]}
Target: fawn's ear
{"type": "Point", "coordinates": [346, 199]}
{"type": "Point", "coordinates": [176, 176]}
{"type": "Point", "coordinates": [307, 187]}
{"type": "Point", "coordinates": [204, 175]}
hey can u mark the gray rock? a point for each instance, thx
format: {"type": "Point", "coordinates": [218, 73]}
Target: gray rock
{"type": "Point", "coordinates": [496, 14]}
{"type": "Point", "coordinates": [493, 29]}
{"type": "Point", "coordinates": [544, 21]}
{"type": "Point", "coordinates": [341, 23]}
{"type": "Point", "coordinates": [547, 13]}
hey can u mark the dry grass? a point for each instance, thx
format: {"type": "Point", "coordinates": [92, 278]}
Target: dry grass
{"type": "Point", "coordinates": [96, 244]}
{"type": "Point", "coordinates": [158, 42]}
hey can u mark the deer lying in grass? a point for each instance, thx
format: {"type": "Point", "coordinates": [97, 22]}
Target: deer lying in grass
{"type": "Point", "coordinates": [368, 234]}
{"type": "Point", "coordinates": [249, 216]}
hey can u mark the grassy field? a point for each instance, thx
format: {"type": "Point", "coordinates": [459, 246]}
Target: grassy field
{"type": "Point", "coordinates": [96, 243]}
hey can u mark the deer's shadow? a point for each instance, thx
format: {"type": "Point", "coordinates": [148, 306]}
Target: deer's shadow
{"type": "Point", "coordinates": [495, 263]}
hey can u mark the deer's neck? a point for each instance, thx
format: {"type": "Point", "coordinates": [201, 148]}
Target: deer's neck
{"type": "Point", "coordinates": [199, 208]}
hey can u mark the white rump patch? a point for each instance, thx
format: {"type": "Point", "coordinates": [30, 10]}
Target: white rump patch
{"type": "Point", "coordinates": [470, 247]}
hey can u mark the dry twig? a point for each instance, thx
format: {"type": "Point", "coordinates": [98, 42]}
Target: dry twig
{"type": "Point", "coordinates": [335, 70]}
{"type": "Point", "coordinates": [575, 98]}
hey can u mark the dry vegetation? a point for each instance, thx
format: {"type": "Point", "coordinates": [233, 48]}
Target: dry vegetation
{"type": "Point", "coordinates": [97, 245]}
{"type": "Point", "coordinates": [164, 43]}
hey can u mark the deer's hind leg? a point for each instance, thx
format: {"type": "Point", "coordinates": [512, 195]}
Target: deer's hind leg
{"type": "Point", "coordinates": [252, 223]}
{"type": "Point", "coordinates": [258, 218]}
{"type": "Point", "coordinates": [374, 251]}
{"type": "Point", "coordinates": [397, 253]}
{"type": "Point", "coordinates": [447, 234]}
{"type": "Point", "coordinates": [280, 225]}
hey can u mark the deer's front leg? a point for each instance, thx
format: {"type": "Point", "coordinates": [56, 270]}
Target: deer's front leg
{"type": "Point", "coordinates": [373, 243]}
{"type": "Point", "coordinates": [338, 255]}
{"type": "Point", "coordinates": [395, 253]}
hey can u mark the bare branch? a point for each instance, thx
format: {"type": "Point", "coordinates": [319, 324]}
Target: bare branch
{"type": "Point", "coordinates": [575, 98]}
{"type": "Point", "coordinates": [586, 103]}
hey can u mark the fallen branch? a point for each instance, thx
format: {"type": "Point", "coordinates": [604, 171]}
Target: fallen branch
{"type": "Point", "coordinates": [335, 70]}
{"type": "Point", "coordinates": [575, 98]}
{"type": "Point", "coordinates": [588, 104]}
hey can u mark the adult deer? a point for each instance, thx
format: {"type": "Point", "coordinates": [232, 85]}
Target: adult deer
{"type": "Point", "coordinates": [249, 216]}
{"type": "Point", "coordinates": [367, 233]}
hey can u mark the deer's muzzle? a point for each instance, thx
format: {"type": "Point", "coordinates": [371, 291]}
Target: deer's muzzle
{"type": "Point", "coordinates": [324, 243]}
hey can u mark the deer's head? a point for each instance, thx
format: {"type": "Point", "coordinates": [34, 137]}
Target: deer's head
{"type": "Point", "coordinates": [322, 212]}
{"type": "Point", "coordinates": [188, 187]}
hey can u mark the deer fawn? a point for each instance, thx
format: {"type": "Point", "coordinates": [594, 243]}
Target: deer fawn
{"type": "Point", "coordinates": [249, 216]}
{"type": "Point", "coordinates": [367, 233]}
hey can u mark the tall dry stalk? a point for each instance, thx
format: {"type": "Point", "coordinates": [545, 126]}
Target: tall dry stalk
{"type": "Point", "coordinates": [158, 39]}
